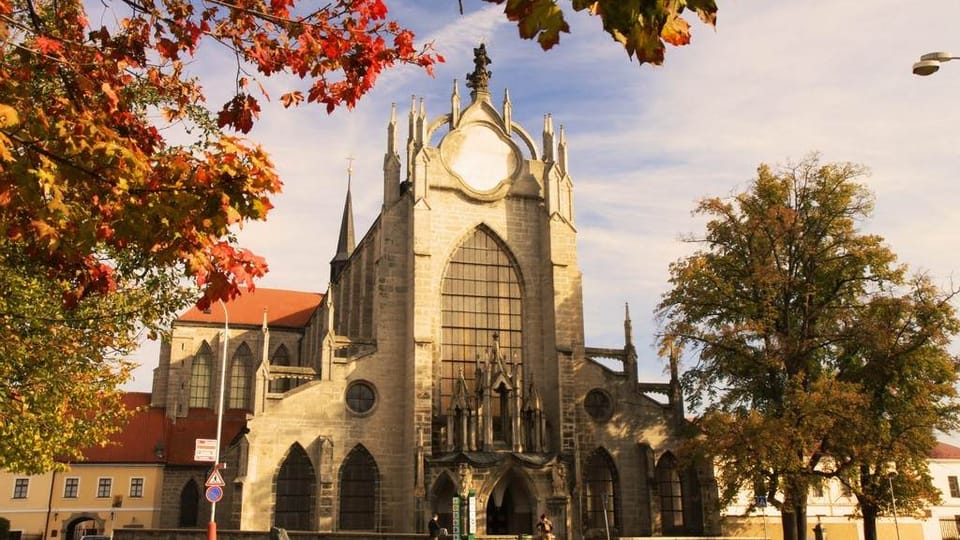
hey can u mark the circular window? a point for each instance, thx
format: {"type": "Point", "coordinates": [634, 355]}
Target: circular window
{"type": "Point", "coordinates": [598, 404]}
{"type": "Point", "coordinates": [361, 397]}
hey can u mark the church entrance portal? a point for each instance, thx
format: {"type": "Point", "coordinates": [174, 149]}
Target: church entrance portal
{"type": "Point", "coordinates": [510, 509]}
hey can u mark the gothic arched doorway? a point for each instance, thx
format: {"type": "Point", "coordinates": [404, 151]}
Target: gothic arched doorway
{"type": "Point", "coordinates": [510, 508]}
{"type": "Point", "coordinates": [441, 502]}
{"type": "Point", "coordinates": [82, 525]}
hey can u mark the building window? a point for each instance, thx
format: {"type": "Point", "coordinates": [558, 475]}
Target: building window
{"type": "Point", "coordinates": [598, 405]}
{"type": "Point", "coordinates": [20, 486]}
{"type": "Point", "coordinates": [240, 375]}
{"type": "Point", "coordinates": [954, 486]}
{"type": "Point", "coordinates": [281, 357]}
{"type": "Point", "coordinates": [481, 299]}
{"type": "Point", "coordinates": [358, 491]}
{"type": "Point", "coordinates": [671, 494]}
{"type": "Point", "coordinates": [600, 478]}
{"type": "Point", "coordinates": [71, 488]}
{"type": "Point", "coordinates": [296, 485]}
{"type": "Point", "coordinates": [361, 397]}
{"type": "Point", "coordinates": [103, 487]}
{"type": "Point", "coordinates": [136, 487]}
{"type": "Point", "coordinates": [200, 377]}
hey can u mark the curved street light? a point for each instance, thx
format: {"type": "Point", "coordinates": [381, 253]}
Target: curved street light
{"type": "Point", "coordinates": [930, 63]}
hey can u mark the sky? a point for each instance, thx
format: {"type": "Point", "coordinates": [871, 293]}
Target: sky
{"type": "Point", "coordinates": [772, 83]}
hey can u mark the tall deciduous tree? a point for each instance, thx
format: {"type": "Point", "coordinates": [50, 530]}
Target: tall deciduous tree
{"type": "Point", "coordinates": [785, 306]}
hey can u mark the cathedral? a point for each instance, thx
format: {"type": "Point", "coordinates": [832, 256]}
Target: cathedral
{"type": "Point", "coordinates": [444, 370]}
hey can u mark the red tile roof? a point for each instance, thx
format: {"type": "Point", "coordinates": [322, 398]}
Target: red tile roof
{"type": "Point", "coordinates": [291, 309]}
{"type": "Point", "coordinates": [945, 451]}
{"type": "Point", "coordinates": [151, 437]}
{"type": "Point", "coordinates": [137, 441]}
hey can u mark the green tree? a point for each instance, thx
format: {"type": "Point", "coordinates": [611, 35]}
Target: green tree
{"type": "Point", "coordinates": [779, 306]}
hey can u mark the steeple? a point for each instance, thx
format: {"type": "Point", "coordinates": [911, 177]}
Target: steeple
{"type": "Point", "coordinates": [345, 244]}
{"type": "Point", "coordinates": [479, 80]}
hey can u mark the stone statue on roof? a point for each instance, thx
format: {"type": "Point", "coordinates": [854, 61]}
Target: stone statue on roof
{"type": "Point", "coordinates": [481, 75]}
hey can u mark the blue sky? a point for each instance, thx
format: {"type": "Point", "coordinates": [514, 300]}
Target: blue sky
{"type": "Point", "coordinates": [774, 82]}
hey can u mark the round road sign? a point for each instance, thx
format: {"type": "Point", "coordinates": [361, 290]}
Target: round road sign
{"type": "Point", "coordinates": [214, 493]}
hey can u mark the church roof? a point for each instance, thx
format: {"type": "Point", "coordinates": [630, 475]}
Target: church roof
{"type": "Point", "coordinates": [291, 309]}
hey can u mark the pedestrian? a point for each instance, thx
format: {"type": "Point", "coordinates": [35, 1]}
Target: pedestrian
{"type": "Point", "coordinates": [545, 528]}
{"type": "Point", "coordinates": [434, 526]}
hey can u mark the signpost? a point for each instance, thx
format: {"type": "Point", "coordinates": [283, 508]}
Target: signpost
{"type": "Point", "coordinates": [205, 450]}
{"type": "Point", "coordinates": [214, 493]}
{"type": "Point", "coordinates": [455, 506]}
{"type": "Point", "coordinates": [472, 515]}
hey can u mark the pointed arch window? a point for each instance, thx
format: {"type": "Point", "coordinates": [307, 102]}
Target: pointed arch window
{"type": "Point", "coordinates": [671, 494]}
{"type": "Point", "coordinates": [600, 479]}
{"type": "Point", "coordinates": [281, 357]}
{"type": "Point", "coordinates": [189, 505]}
{"type": "Point", "coordinates": [359, 486]}
{"type": "Point", "coordinates": [241, 374]}
{"type": "Point", "coordinates": [295, 487]}
{"type": "Point", "coordinates": [481, 296]}
{"type": "Point", "coordinates": [201, 377]}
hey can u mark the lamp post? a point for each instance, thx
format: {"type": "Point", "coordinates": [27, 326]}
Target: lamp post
{"type": "Point", "coordinates": [891, 474]}
{"type": "Point", "coordinates": [212, 526]}
{"type": "Point", "coordinates": [930, 63]}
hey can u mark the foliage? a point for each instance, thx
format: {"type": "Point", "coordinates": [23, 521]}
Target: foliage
{"type": "Point", "coordinates": [812, 363]}
{"type": "Point", "coordinates": [642, 27]}
{"type": "Point", "coordinates": [102, 217]}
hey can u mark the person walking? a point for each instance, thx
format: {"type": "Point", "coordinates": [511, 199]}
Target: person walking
{"type": "Point", "coordinates": [545, 528]}
{"type": "Point", "coordinates": [434, 526]}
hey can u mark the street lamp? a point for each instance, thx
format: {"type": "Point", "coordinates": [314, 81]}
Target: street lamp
{"type": "Point", "coordinates": [212, 526]}
{"type": "Point", "coordinates": [930, 63]}
{"type": "Point", "coordinates": [891, 474]}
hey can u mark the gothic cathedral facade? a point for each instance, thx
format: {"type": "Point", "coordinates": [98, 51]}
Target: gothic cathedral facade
{"type": "Point", "coordinates": [445, 362]}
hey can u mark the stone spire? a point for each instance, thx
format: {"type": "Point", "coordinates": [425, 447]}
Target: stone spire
{"type": "Point", "coordinates": [345, 244]}
{"type": "Point", "coordinates": [455, 106]}
{"type": "Point", "coordinates": [547, 138]}
{"type": "Point", "coordinates": [507, 112]}
{"type": "Point", "coordinates": [391, 162]}
{"type": "Point", "coordinates": [478, 81]}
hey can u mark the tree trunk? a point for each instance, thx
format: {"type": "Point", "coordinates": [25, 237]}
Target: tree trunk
{"type": "Point", "coordinates": [793, 519]}
{"type": "Point", "coordinates": [869, 521]}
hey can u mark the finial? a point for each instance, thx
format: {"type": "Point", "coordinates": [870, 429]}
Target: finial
{"type": "Point", "coordinates": [350, 160]}
{"type": "Point", "coordinates": [264, 319]}
{"type": "Point", "coordinates": [479, 79]}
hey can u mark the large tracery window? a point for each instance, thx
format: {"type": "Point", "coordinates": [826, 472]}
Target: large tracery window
{"type": "Point", "coordinates": [671, 494]}
{"type": "Point", "coordinates": [240, 375]}
{"type": "Point", "coordinates": [600, 477]}
{"type": "Point", "coordinates": [359, 480]}
{"type": "Point", "coordinates": [296, 484]}
{"type": "Point", "coordinates": [200, 377]}
{"type": "Point", "coordinates": [481, 297]}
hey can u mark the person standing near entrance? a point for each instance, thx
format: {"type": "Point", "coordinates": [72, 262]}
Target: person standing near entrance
{"type": "Point", "coordinates": [434, 526]}
{"type": "Point", "coordinates": [545, 528]}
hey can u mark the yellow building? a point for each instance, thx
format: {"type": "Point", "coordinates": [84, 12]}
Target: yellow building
{"type": "Point", "coordinates": [116, 486]}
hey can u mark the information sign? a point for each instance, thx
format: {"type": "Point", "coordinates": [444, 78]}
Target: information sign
{"type": "Point", "coordinates": [205, 450]}
{"type": "Point", "coordinates": [455, 505]}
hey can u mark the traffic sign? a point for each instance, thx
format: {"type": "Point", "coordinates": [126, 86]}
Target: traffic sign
{"type": "Point", "coordinates": [205, 450]}
{"type": "Point", "coordinates": [215, 479]}
{"type": "Point", "coordinates": [760, 501]}
{"type": "Point", "coordinates": [214, 493]}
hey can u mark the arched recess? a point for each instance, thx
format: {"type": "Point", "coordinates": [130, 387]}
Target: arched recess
{"type": "Point", "coordinates": [241, 375]}
{"type": "Point", "coordinates": [511, 506]}
{"type": "Point", "coordinates": [481, 295]}
{"type": "Point", "coordinates": [601, 491]}
{"type": "Point", "coordinates": [201, 377]}
{"type": "Point", "coordinates": [359, 491]}
{"type": "Point", "coordinates": [296, 486]}
{"type": "Point", "coordinates": [189, 505]}
{"type": "Point", "coordinates": [441, 498]}
{"type": "Point", "coordinates": [692, 501]}
{"type": "Point", "coordinates": [83, 524]}
{"type": "Point", "coordinates": [281, 357]}
{"type": "Point", "coordinates": [671, 495]}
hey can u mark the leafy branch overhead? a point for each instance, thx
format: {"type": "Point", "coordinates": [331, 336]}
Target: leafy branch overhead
{"type": "Point", "coordinates": [642, 27]}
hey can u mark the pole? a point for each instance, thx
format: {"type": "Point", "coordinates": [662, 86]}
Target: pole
{"type": "Point", "coordinates": [893, 501]}
{"type": "Point", "coordinates": [606, 522]}
{"type": "Point", "coordinates": [212, 526]}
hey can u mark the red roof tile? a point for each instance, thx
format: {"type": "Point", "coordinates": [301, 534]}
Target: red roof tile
{"type": "Point", "coordinates": [291, 309]}
{"type": "Point", "coordinates": [945, 451]}
{"type": "Point", "coordinates": [137, 442]}
{"type": "Point", "coordinates": [201, 424]}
